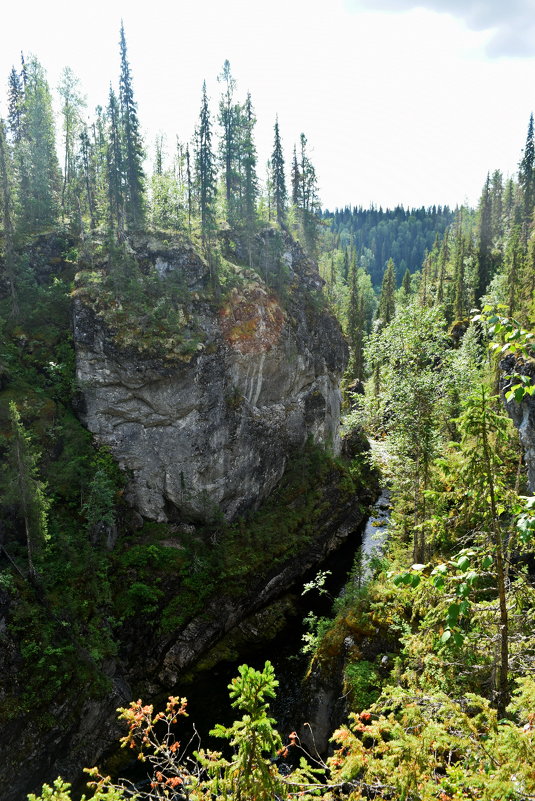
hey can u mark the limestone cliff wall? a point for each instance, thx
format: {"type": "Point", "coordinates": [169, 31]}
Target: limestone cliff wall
{"type": "Point", "coordinates": [203, 418]}
{"type": "Point", "coordinates": [213, 431]}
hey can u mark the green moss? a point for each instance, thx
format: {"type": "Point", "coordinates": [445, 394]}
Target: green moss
{"type": "Point", "coordinates": [258, 628]}
{"type": "Point", "coordinates": [363, 683]}
{"type": "Point", "coordinates": [247, 552]}
{"type": "Point", "coordinates": [62, 623]}
{"type": "Point", "coordinates": [142, 311]}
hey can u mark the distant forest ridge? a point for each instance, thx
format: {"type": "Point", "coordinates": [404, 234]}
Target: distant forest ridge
{"type": "Point", "coordinates": [377, 235]}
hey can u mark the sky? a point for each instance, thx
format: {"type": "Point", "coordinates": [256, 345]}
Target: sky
{"type": "Point", "coordinates": [401, 102]}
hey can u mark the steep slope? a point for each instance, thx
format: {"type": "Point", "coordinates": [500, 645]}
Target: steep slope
{"type": "Point", "coordinates": [220, 401]}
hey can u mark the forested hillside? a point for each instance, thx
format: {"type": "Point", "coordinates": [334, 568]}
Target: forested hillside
{"type": "Point", "coordinates": [377, 235]}
{"type": "Point", "coordinates": [188, 308]}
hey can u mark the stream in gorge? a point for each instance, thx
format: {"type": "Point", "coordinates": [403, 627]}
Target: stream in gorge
{"type": "Point", "coordinates": [208, 700]}
{"type": "Point", "coordinates": [207, 690]}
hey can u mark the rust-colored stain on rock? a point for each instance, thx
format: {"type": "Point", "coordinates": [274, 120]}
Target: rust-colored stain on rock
{"type": "Point", "coordinates": [251, 321]}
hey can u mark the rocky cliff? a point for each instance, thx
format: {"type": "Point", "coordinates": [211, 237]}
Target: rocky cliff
{"type": "Point", "coordinates": [210, 394]}
{"type": "Point", "coordinates": [523, 413]}
{"type": "Point", "coordinates": [209, 429]}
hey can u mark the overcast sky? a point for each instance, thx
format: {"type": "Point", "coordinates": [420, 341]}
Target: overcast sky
{"type": "Point", "coordinates": [401, 102]}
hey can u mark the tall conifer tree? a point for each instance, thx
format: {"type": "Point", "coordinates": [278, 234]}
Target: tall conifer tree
{"type": "Point", "coordinates": [442, 263]}
{"type": "Point", "coordinates": [229, 121]}
{"type": "Point", "coordinates": [6, 204]}
{"type": "Point", "coordinates": [406, 283]}
{"type": "Point", "coordinates": [485, 264]}
{"type": "Point", "coordinates": [205, 170]}
{"type": "Point", "coordinates": [15, 105]}
{"type": "Point", "coordinates": [250, 180]}
{"type": "Point", "coordinates": [87, 164]}
{"type": "Point", "coordinates": [189, 188]}
{"type": "Point", "coordinates": [71, 110]}
{"type": "Point", "coordinates": [133, 146]}
{"type": "Point", "coordinates": [278, 180]}
{"type": "Point", "coordinates": [296, 180]}
{"type": "Point", "coordinates": [115, 168]}
{"type": "Point", "coordinates": [355, 324]}
{"type": "Point", "coordinates": [459, 287]}
{"type": "Point", "coordinates": [387, 299]}
{"type": "Point", "coordinates": [39, 175]}
{"type": "Point", "coordinates": [526, 174]}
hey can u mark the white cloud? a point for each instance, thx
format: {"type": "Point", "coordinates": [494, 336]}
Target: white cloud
{"type": "Point", "coordinates": [511, 22]}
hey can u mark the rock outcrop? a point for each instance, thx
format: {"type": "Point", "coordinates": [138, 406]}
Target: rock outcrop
{"type": "Point", "coordinates": [211, 431]}
{"type": "Point", "coordinates": [203, 411]}
{"type": "Point", "coordinates": [522, 413]}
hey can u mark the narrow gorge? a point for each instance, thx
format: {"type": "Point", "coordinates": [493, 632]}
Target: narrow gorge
{"type": "Point", "coordinates": [224, 421]}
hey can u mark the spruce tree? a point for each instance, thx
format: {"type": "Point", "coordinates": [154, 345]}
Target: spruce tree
{"type": "Point", "coordinates": [387, 299]}
{"type": "Point", "coordinates": [509, 203]}
{"type": "Point", "coordinates": [189, 188]}
{"type": "Point", "coordinates": [27, 491]}
{"type": "Point", "coordinates": [98, 151]}
{"type": "Point", "coordinates": [39, 177]}
{"type": "Point", "coordinates": [496, 191]}
{"type": "Point", "coordinates": [355, 324]}
{"type": "Point", "coordinates": [88, 177]}
{"type": "Point", "coordinates": [229, 121]}
{"type": "Point", "coordinates": [205, 171]}
{"type": "Point", "coordinates": [115, 168]}
{"type": "Point", "coordinates": [250, 180]}
{"type": "Point", "coordinates": [278, 180]}
{"type": "Point", "coordinates": [345, 267]}
{"type": "Point", "coordinates": [459, 288]}
{"type": "Point", "coordinates": [485, 265]}
{"type": "Point", "coordinates": [15, 105]}
{"type": "Point", "coordinates": [133, 146]}
{"type": "Point", "coordinates": [526, 174]}
{"type": "Point", "coordinates": [296, 180]}
{"type": "Point", "coordinates": [442, 263]}
{"type": "Point", "coordinates": [514, 262]}
{"type": "Point", "coordinates": [6, 204]}
{"type": "Point", "coordinates": [251, 773]}
{"type": "Point", "coordinates": [269, 200]}
{"type": "Point", "coordinates": [406, 283]}
{"type": "Point", "coordinates": [71, 110]}
{"type": "Point", "coordinates": [425, 283]}
{"type": "Point", "coordinates": [308, 197]}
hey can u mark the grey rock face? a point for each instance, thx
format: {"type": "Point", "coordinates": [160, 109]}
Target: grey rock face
{"type": "Point", "coordinates": [522, 414]}
{"type": "Point", "coordinates": [212, 434]}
